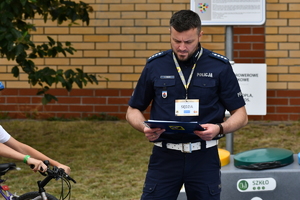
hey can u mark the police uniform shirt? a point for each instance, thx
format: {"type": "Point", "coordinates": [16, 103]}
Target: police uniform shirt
{"type": "Point", "coordinates": [213, 83]}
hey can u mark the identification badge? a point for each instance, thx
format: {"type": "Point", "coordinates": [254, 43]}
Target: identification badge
{"type": "Point", "coordinates": [187, 107]}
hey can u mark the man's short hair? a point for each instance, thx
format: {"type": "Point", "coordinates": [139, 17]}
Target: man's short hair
{"type": "Point", "coordinates": [185, 20]}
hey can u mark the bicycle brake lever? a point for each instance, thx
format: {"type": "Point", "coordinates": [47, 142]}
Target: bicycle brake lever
{"type": "Point", "coordinates": [65, 175]}
{"type": "Point", "coordinates": [69, 177]}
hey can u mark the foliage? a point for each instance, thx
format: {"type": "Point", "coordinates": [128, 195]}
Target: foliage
{"type": "Point", "coordinates": [4, 115]}
{"type": "Point", "coordinates": [16, 43]}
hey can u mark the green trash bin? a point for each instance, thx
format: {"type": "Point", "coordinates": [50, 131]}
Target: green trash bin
{"type": "Point", "coordinates": [263, 158]}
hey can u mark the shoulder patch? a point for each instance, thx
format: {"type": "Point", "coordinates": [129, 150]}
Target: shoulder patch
{"type": "Point", "coordinates": [218, 56]}
{"type": "Point", "coordinates": [157, 55]}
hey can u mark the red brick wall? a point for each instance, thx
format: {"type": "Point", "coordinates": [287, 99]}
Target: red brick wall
{"type": "Point", "coordinates": [249, 44]}
{"type": "Point", "coordinates": [282, 105]}
{"type": "Point", "coordinates": [79, 103]}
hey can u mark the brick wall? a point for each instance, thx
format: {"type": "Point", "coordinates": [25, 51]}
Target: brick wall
{"type": "Point", "coordinates": [23, 103]}
{"type": "Point", "coordinates": [124, 33]}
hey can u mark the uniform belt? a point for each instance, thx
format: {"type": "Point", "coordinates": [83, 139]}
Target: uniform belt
{"type": "Point", "coordinates": [187, 147]}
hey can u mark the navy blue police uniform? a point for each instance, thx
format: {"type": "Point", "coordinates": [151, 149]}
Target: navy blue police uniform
{"type": "Point", "coordinates": [215, 85]}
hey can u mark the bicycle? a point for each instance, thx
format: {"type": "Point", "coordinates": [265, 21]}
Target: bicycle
{"type": "Point", "coordinates": [54, 173]}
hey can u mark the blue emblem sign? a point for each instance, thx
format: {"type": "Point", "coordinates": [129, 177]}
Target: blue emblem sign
{"type": "Point", "coordinates": [1, 86]}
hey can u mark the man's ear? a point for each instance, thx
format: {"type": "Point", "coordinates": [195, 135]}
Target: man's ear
{"type": "Point", "coordinates": [200, 34]}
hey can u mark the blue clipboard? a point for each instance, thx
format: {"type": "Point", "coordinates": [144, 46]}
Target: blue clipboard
{"type": "Point", "coordinates": [174, 126]}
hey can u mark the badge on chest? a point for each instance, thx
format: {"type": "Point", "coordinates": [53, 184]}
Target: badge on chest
{"type": "Point", "coordinates": [187, 107]}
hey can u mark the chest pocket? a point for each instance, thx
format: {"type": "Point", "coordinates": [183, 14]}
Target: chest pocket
{"type": "Point", "coordinates": [204, 89]}
{"type": "Point", "coordinates": [167, 85]}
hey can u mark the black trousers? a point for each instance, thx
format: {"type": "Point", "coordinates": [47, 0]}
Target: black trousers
{"type": "Point", "coordinates": [168, 170]}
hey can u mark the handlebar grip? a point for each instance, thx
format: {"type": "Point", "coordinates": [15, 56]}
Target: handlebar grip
{"type": "Point", "coordinates": [46, 162]}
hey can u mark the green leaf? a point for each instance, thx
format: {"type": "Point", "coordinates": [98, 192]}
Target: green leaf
{"type": "Point", "coordinates": [49, 80]}
{"type": "Point", "coordinates": [8, 1]}
{"type": "Point", "coordinates": [15, 71]}
{"type": "Point", "coordinates": [10, 45]}
{"type": "Point", "coordinates": [69, 51]}
{"type": "Point", "coordinates": [45, 47]}
{"type": "Point", "coordinates": [48, 98]}
{"type": "Point", "coordinates": [69, 85]}
{"type": "Point", "coordinates": [51, 41]}
{"type": "Point", "coordinates": [59, 72]}
{"type": "Point", "coordinates": [19, 49]}
{"type": "Point", "coordinates": [44, 101]}
{"type": "Point", "coordinates": [3, 29]}
{"type": "Point", "coordinates": [61, 80]}
{"type": "Point", "coordinates": [69, 73]}
{"type": "Point", "coordinates": [41, 53]}
{"type": "Point", "coordinates": [79, 70]}
{"type": "Point", "coordinates": [23, 2]}
{"type": "Point", "coordinates": [40, 92]}
{"type": "Point", "coordinates": [16, 34]}
{"type": "Point", "coordinates": [79, 83]}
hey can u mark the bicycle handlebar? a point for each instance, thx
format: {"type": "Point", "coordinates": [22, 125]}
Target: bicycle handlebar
{"type": "Point", "coordinates": [55, 172]}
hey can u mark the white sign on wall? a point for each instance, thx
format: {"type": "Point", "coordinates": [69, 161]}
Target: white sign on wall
{"type": "Point", "coordinates": [230, 12]}
{"type": "Point", "coordinates": [253, 82]}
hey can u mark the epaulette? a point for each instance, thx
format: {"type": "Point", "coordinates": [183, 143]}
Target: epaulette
{"type": "Point", "coordinates": [157, 55]}
{"type": "Point", "coordinates": [220, 57]}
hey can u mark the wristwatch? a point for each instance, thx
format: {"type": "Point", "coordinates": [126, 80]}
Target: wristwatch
{"type": "Point", "coordinates": [221, 134]}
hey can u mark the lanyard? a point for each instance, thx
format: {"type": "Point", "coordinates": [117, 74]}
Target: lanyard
{"type": "Point", "coordinates": [186, 84]}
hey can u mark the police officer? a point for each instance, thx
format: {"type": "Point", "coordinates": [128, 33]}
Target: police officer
{"type": "Point", "coordinates": [186, 83]}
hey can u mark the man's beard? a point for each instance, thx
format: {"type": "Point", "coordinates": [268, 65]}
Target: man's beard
{"type": "Point", "coordinates": [184, 57]}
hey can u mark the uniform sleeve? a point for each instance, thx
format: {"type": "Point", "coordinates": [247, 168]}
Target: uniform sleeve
{"type": "Point", "coordinates": [4, 136]}
{"type": "Point", "coordinates": [230, 92]}
{"type": "Point", "coordinates": [143, 93]}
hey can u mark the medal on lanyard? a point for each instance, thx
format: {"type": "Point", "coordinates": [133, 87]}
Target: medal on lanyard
{"type": "Point", "coordinates": [186, 107]}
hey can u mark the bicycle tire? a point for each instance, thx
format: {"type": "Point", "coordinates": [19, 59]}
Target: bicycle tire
{"type": "Point", "coordinates": [35, 196]}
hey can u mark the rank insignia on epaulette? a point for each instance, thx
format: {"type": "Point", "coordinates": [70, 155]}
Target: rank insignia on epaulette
{"type": "Point", "coordinates": [156, 56]}
{"type": "Point", "coordinates": [220, 57]}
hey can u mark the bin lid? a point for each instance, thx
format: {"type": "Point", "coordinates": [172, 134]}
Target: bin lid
{"type": "Point", "coordinates": [263, 158]}
{"type": "Point", "coordinates": [224, 156]}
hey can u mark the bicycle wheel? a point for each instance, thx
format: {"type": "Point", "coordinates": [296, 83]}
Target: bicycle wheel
{"type": "Point", "coordinates": [35, 196]}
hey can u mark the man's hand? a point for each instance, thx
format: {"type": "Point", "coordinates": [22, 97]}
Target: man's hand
{"type": "Point", "coordinates": [153, 133]}
{"type": "Point", "coordinates": [211, 131]}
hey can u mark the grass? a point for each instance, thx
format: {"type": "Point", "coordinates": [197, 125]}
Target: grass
{"type": "Point", "coordinates": [109, 158]}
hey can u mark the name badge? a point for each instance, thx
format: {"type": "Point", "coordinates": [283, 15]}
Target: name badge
{"type": "Point", "coordinates": [187, 107]}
